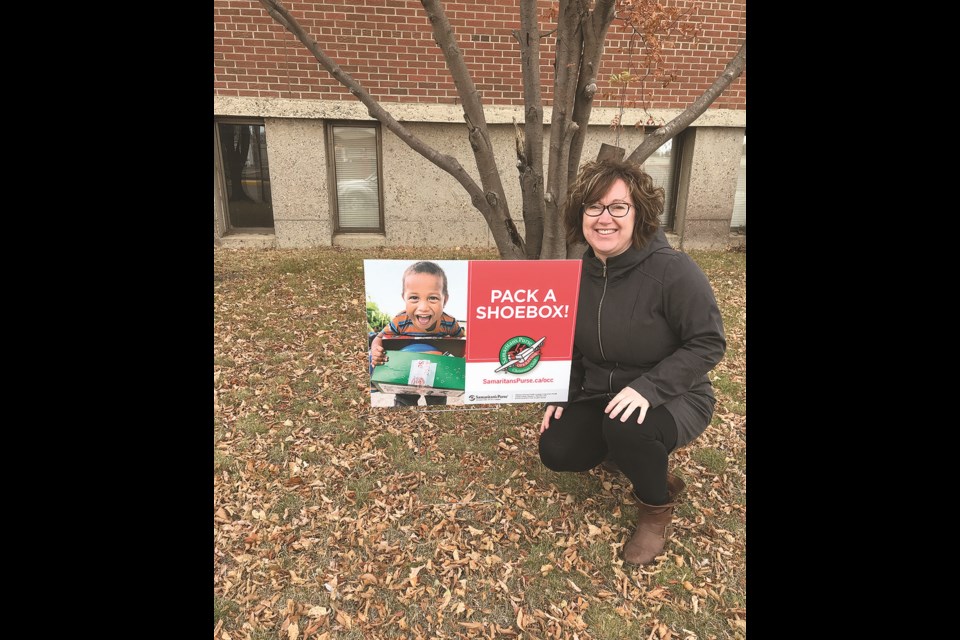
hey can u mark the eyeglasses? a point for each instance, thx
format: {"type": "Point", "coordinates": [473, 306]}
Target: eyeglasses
{"type": "Point", "coordinates": [616, 209]}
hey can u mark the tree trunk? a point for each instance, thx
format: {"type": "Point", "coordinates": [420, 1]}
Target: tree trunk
{"type": "Point", "coordinates": [530, 143]}
{"type": "Point", "coordinates": [566, 68]}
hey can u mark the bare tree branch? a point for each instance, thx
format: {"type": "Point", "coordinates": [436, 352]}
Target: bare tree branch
{"type": "Point", "coordinates": [530, 163]}
{"type": "Point", "coordinates": [594, 33]}
{"type": "Point", "coordinates": [501, 232]}
{"type": "Point", "coordinates": [478, 135]}
{"type": "Point", "coordinates": [659, 137]}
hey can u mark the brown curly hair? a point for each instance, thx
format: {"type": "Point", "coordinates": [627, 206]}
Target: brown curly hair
{"type": "Point", "coordinates": [595, 179]}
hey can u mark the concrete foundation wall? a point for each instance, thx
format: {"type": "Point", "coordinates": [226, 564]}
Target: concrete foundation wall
{"type": "Point", "coordinates": [711, 159]}
{"type": "Point", "coordinates": [298, 179]}
{"type": "Point", "coordinates": [425, 206]}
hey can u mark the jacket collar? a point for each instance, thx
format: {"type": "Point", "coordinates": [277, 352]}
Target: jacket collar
{"type": "Point", "coordinates": [626, 261]}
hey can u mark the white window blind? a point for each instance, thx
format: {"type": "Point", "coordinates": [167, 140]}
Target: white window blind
{"type": "Point", "coordinates": [358, 185]}
{"type": "Point", "coordinates": [739, 218]}
{"type": "Point", "coordinates": [660, 167]}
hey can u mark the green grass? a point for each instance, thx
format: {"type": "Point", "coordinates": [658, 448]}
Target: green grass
{"type": "Point", "coordinates": [362, 488]}
{"type": "Point", "coordinates": [288, 502]}
{"type": "Point", "coordinates": [223, 462]}
{"type": "Point", "coordinates": [277, 455]}
{"type": "Point", "coordinates": [252, 424]}
{"type": "Point", "coordinates": [605, 622]}
{"type": "Point", "coordinates": [712, 459]}
{"type": "Point", "coordinates": [294, 266]}
{"type": "Point", "coordinates": [224, 608]}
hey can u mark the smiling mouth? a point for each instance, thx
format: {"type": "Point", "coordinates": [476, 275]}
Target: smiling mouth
{"type": "Point", "coordinates": [605, 232]}
{"type": "Point", "coordinates": [424, 320]}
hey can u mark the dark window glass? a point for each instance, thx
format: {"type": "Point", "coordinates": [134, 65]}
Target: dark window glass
{"type": "Point", "coordinates": [246, 172]}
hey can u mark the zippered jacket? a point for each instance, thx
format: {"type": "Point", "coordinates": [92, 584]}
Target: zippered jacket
{"type": "Point", "coordinates": [648, 319]}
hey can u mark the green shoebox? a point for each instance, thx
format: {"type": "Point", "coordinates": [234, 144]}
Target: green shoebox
{"type": "Point", "coordinates": [394, 376]}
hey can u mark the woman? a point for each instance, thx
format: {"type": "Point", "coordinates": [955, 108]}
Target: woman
{"type": "Point", "coordinates": [648, 331]}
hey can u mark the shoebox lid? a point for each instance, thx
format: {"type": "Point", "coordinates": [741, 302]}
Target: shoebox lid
{"type": "Point", "coordinates": [405, 367]}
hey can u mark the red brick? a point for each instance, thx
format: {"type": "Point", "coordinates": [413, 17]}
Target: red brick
{"type": "Point", "coordinates": [363, 42]}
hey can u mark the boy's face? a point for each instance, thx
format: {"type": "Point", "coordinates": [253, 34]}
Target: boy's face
{"type": "Point", "coordinates": [423, 296]}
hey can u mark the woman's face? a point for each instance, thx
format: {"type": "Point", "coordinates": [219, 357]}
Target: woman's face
{"type": "Point", "coordinates": [607, 235]}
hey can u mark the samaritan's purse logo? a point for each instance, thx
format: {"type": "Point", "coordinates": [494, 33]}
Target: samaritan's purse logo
{"type": "Point", "coordinates": [520, 354]}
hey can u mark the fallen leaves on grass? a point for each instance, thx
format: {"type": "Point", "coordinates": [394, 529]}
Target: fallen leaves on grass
{"type": "Point", "coordinates": [333, 519]}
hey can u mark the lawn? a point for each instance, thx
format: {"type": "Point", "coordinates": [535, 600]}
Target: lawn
{"type": "Point", "coordinates": [336, 520]}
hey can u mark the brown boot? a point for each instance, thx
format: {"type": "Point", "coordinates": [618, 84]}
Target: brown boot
{"type": "Point", "coordinates": [653, 526]}
{"type": "Point", "coordinates": [675, 486]}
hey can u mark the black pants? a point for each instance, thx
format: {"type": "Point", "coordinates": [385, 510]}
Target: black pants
{"type": "Point", "coordinates": [582, 438]}
{"type": "Point", "coordinates": [412, 399]}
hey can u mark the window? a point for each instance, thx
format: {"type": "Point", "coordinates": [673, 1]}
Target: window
{"type": "Point", "coordinates": [246, 174]}
{"type": "Point", "coordinates": [661, 166]}
{"type": "Point", "coordinates": [739, 218]}
{"type": "Point", "coordinates": [355, 162]}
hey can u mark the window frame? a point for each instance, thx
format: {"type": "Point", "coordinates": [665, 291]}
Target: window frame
{"type": "Point", "coordinates": [676, 157]}
{"type": "Point", "coordinates": [332, 174]}
{"type": "Point", "coordinates": [228, 226]}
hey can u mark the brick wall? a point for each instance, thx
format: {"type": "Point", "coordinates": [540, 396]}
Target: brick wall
{"type": "Point", "coordinates": [387, 45]}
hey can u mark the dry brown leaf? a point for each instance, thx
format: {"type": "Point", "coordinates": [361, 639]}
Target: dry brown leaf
{"type": "Point", "coordinates": [413, 575]}
{"type": "Point", "coordinates": [293, 631]}
{"type": "Point", "coordinates": [344, 618]}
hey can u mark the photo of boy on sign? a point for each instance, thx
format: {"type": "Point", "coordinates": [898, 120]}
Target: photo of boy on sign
{"type": "Point", "coordinates": [416, 353]}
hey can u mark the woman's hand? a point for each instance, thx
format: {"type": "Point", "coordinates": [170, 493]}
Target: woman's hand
{"type": "Point", "coordinates": [626, 401]}
{"type": "Point", "coordinates": [378, 355]}
{"type": "Point", "coordinates": [551, 409]}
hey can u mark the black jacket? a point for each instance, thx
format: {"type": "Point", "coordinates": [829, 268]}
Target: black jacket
{"type": "Point", "coordinates": [648, 319]}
